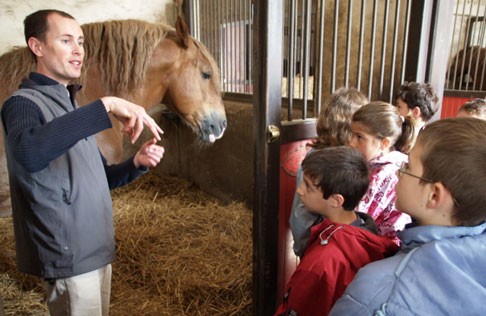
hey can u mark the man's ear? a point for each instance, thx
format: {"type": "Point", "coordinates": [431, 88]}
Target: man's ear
{"type": "Point", "coordinates": [337, 200]}
{"type": "Point", "coordinates": [35, 46]}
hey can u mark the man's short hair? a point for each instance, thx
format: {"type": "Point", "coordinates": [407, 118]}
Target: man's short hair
{"type": "Point", "coordinates": [338, 170]}
{"type": "Point", "coordinates": [454, 154]}
{"type": "Point", "coordinates": [421, 95]}
{"type": "Point", "coordinates": [35, 24]}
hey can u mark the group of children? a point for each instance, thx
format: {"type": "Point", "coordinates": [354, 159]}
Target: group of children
{"type": "Point", "coordinates": [382, 184]}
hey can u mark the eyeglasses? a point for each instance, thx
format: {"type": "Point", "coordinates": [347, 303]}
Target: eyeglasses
{"type": "Point", "coordinates": [404, 170]}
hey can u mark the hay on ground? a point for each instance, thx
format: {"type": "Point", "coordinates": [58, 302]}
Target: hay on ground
{"type": "Point", "coordinates": [179, 252]}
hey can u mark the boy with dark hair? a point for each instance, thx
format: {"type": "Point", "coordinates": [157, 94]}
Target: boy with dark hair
{"type": "Point", "coordinates": [418, 100]}
{"type": "Point", "coordinates": [475, 108]}
{"type": "Point", "coordinates": [335, 179]}
{"type": "Point", "coordinates": [333, 129]}
{"type": "Point", "coordinates": [440, 268]}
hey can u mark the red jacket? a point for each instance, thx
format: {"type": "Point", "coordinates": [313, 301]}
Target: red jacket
{"type": "Point", "coordinates": [333, 256]}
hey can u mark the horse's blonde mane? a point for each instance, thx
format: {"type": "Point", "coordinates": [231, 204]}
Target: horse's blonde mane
{"type": "Point", "coordinates": [121, 50]}
{"type": "Point", "coordinates": [14, 66]}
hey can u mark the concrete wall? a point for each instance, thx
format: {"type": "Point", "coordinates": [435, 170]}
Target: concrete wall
{"type": "Point", "coordinates": [12, 13]}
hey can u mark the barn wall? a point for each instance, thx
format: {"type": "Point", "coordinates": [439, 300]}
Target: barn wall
{"type": "Point", "coordinates": [223, 169]}
{"type": "Point", "coordinates": [13, 13]}
{"type": "Point", "coordinates": [450, 105]}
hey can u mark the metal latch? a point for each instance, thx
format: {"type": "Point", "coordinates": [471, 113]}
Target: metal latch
{"type": "Point", "coordinates": [273, 134]}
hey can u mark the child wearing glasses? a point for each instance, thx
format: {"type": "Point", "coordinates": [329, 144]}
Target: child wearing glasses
{"type": "Point", "coordinates": [440, 267]}
{"type": "Point", "coordinates": [378, 130]}
{"type": "Point", "coordinates": [334, 180]}
{"type": "Point", "coordinates": [475, 108]}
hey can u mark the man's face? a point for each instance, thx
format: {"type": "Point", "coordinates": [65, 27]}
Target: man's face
{"type": "Point", "coordinates": [60, 56]}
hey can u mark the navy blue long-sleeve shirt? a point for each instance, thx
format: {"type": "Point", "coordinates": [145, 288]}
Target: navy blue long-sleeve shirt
{"type": "Point", "coordinates": [37, 142]}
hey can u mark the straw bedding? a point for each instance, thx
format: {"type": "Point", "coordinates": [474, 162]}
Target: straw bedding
{"type": "Point", "coordinates": [179, 252]}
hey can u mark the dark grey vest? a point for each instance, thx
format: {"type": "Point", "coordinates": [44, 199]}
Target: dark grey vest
{"type": "Point", "coordinates": [63, 218]}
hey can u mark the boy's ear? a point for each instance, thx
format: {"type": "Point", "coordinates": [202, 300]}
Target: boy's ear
{"type": "Point", "coordinates": [440, 198]}
{"type": "Point", "coordinates": [337, 200]}
{"type": "Point", "coordinates": [416, 112]}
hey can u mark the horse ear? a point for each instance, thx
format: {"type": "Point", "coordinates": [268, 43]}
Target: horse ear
{"type": "Point", "coordinates": [182, 32]}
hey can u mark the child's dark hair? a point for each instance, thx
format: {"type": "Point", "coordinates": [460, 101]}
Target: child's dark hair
{"type": "Point", "coordinates": [338, 170]}
{"type": "Point", "coordinates": [382, 120]}
{"type": "Point", "coordinates": [334, 122]}
{"type": "Point", "coordinates": [421, 95]}
{"type": "Point", "coordinates": [476, 107]}
{"type": "Point", "coordinates": [454, 154]}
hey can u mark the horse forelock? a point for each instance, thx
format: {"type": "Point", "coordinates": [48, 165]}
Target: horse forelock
{"type": "Point", "coordinates": [121, 50]}
{"type": "Point", "coordinates": [215, 78]}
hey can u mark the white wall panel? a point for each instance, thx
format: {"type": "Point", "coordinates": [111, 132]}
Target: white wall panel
{"type": "Point", "coordinates": [12, 13]}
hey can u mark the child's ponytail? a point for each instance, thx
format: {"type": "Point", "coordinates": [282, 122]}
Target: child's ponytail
{"type": "Point", "coordinates": [405, 141]}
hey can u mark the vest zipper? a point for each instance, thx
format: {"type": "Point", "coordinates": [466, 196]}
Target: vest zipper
{"type": "Point", "coordinates": [65, 197]}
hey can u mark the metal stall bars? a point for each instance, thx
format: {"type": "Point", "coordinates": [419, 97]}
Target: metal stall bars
{"type": "Point", "coordinates": [465, 78]}
{"type": "Point", "coordinates": [326, 44]}
{"type": "Point", "coordinates": [467, 62]}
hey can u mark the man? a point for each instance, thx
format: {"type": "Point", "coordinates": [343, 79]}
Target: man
{"type": "Point", "coordinates": [59, 182]}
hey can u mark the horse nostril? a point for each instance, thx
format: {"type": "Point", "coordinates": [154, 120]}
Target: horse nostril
{"type": "Point", "coordinates": [213, 127]}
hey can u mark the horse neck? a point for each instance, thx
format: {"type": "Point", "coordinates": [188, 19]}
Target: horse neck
{"type": "Point", "coordinates": [165, 63]}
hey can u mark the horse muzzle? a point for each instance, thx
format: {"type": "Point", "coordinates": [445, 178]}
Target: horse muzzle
{"type": "Point", "coordinates": [212, 128]}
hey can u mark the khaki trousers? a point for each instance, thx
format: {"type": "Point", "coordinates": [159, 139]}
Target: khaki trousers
{"type": "Point", "coordinates": [86, 294]}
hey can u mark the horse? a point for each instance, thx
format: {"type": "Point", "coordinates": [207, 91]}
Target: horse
{"type": "Point", "coordinates": [467, 69]}
{"type": "Point", "coordinates": [146, 63]}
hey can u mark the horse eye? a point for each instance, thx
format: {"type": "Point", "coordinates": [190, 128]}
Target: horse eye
{"type": "Point", "coordinates": [206, 75]}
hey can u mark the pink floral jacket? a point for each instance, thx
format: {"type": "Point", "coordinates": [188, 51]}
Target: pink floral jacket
{"type": "Point", "coordinates": [379, 200]}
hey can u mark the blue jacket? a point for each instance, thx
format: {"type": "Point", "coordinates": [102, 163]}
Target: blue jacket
{"type": "Point", "coordinates": [439, 271]}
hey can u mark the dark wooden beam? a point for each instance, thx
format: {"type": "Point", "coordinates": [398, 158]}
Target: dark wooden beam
{"type": "Point", "coordinates": [267, 65]}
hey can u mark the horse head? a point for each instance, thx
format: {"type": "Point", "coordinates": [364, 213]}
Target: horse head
{"type": "Point", "coordinates": [193, 85]}
{"type": "Point", "coordinates": [466, 69]}
{"type": "Point", "coordinates": [151, 63]}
